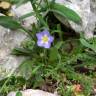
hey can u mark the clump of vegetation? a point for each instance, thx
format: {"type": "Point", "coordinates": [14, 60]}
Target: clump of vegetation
{"type": "Point", "coordinates": [55, 59]}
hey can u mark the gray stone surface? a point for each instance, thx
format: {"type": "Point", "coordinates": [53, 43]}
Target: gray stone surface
{"type": "Point", "coordinates": [9, 40]}
{"type": "Point", "coordinates": [22, 10]}
{"type": "Point", "coordinates": [86, 9]}
{"type": "Point", "coordinates": [12, 38]}
{"type": "Point", "coordinates": [31, 92]}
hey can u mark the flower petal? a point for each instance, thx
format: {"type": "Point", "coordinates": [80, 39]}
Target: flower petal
{"type": "Point", "coordinates": [51, 38]}
{"type": "Point", "coordinates": [40, 43]}
{"type": "Point", "coordinates": [46, 32]}
{"type": "Point", "coordinates": [39, 36]}
{"type": "Point", "coordinates": [47, 45]}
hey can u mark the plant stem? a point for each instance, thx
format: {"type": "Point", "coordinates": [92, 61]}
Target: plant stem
{"type": "Point", "coordinates": [38, 15]}
{"type": "Point", "coordinates": [39, 4]}
{"type": "Point", "coordinates": [45, 54]}
{"type": "Point", "coordinates": [46, 1]}
{"type": "Point", "coordinates": [28, 32]}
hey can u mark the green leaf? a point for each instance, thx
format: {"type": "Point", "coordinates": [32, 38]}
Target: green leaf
{"type": "Point", "coordinates": [25, 68]}
{"type": "Point", "coordinates": [59, 44]}
{"type": "Point", "coordinates": [9, 22]}
{"type": "Point", "coordinates": [19, 94]}
{"type": "Point", "coordinates": [53, 54]}
{"type": "Point", "coordinates": [21, 52]}
{"type": "Point", "coordinates": [88, 45]}
{"type": "Point", "coordinates": [17, 2]}
{"type": "Point", "coordinates": [26, 15]}
{"type": "Point", "coordinates": [20, 2]}
{"type": "Point", "coordinates": [28, 69]}
{"type": "Point", "coordinates": [66, 13]}
{"type": "Point", "coordinates": [33, 1]}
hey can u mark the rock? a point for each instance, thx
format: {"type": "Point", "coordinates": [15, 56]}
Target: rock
{"type": "Point", "coordinates": [31, 92]}
{"type": "Point", "coordinates": [12, 38]}
{"type": "Point", "coordinates": [86, 9]}
{"type": "Point", "coordinates": [9, 40]}
{"type": "Point", "coordinates": [23, 10]}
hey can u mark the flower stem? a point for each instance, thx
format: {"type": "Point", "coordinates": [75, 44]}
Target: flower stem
{"type": "Point", "coordinates": [46, 1]}
{"type": "Point", "coordinates": [38, 15]}
{"type": "Point", "coordinates": [45, 56]}
{"type": "Point", "coordinates": [28, 32]}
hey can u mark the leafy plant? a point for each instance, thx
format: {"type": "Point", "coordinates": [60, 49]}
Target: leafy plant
{"type": "Point", "coordinates": [57, 65]}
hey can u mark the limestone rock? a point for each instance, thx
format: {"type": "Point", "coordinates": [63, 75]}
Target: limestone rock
{"type": "Point", "coordinates": [12, 38]}
{"type": "Point", "coordinates": [23, 10]}
{"type": "Point", "coordinates": [86, 9]}
{"type": "Point", "coordinates": [31, 92]}
{"type": "Point", "coordinates": [9, 40]}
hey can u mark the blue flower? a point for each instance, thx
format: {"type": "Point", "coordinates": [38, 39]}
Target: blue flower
{"type": "Point", "coordinates": [44, 39]}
